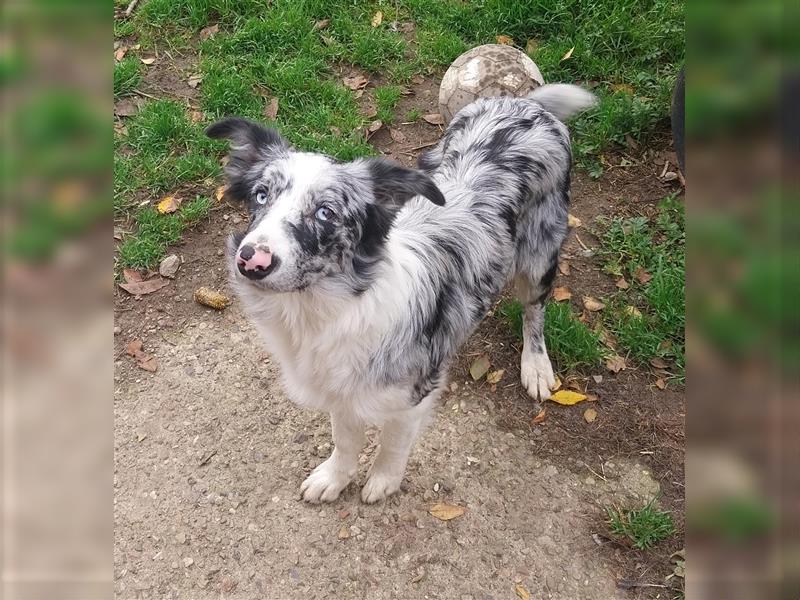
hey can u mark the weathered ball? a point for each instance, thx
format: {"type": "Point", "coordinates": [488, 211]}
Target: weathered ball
{"type": "Point", "coordinates": [485, 71]}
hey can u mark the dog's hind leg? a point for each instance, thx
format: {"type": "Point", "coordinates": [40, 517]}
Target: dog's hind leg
{"type": "Point", "coordinates": [328, 480]}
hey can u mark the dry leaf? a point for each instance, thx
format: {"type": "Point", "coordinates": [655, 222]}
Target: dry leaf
{"type": "Point", "coordinates": [622, 284]}
{"type": "Point", "coordinates": [567, 397]}
{"type": "Point", "coordinates": [556, 385]}
{"type": "Point", "coordinates": [194, 80]}
{"type": "Point", "coordinates": [479, 367]}
{"type": "Point", "coordinates": [219, 193]}
{"type": "Point", "coordinates": [369, 109]}
{"type": "Point", "coordinates": [355, 82]}
{"type": "Point", "coordinates": [120, 53]}
{"type": "Point", "coordinates": [622, 87]}
{"type": "Point", "coordinates": [446, 512]}
{"type": "Point", "coordinates": [532, 46]}
{"type": "Point", "coordinates": [495, 376]}
{"type": "Point", "coordinates": [132, 276]}
{"type": "Point", "coordinates": [196, 116]}
{"type": "Point", "coordinates": [373, 127]}
{"type": "Point", "coordinates": [148, 61]}
{"type": "Point", "coordinates": [561, 293]}
{"type": "Point", "coordinates": [520, 590]}
{"type": "Point", "coordinates": [148, 363]}
{"type": "Point", "coordinates": [592, 304]}
{"type": "Point", "coordinates": [344, 532]}
{"type": "Point", "coordinates": [208, 32]}
{"type": "Point", "coordinates": [660, 383]}
{"type": "Point", "coordinates": [271, 110]}
{"type": "Point", "coordinates": [641, 275]}
{"type": "Point", "coordinates": [377, 19]}
{"type": "Point", "coordinates": [659, 363]}
{"type": "Point", "coordinates": [540, 416]}
{"type": "Point", "coordinates": [597, 378]}
{"type": "Point", "coordinates": [505, 40]}
{"type": "Point", "coordinates": [127, 107]}
{"type": "Point", "coordinates": [589, 415]}
{"type": "Point", "coordinates": [434, 119]}
{"type": "Point", "coordinates": [615, 364]}
{"type": "Point", "coordinates": [398, 136]}
{"type": "Point", "coordinates": [211, 298]}
{"type": "Point", "coordinates": [322, 24]}
{"type": "Point", "coordinates": [573, 221]}
{"type": "Point", "coordinates": [133, 348]}
{"type": "Point", "coordinates": [633, 312]}
{"type": "Point", "coordinates": [140, 288]}
{"type": "Point", "coordinates": [564, 267]}
{"type": "Point", "coordinates": [328, 40]}
{"type": "Point", "coordinates": [168, 204]}
{"type": "Point", "coordinates": [568, 54]}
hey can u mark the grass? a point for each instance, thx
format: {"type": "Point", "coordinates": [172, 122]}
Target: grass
{"type": "Point", "coordinates": [127, 75]}
{"type": "Point", "coordinates": [413, 115]}
{"type": "Point", "coordinates": [570, 343]}
{"type": "Point", "coordinates": [644, 527]}
{"type": "Point", "coordinates": [387, 98]}
{"type": "Point", "coordinates": [648, 319]}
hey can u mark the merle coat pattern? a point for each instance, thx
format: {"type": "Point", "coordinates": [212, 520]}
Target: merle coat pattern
{"type": "Point", "coordinates": [365, 278]}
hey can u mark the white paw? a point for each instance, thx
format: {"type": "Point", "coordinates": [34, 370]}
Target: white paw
{"type": "Point", "coordinates": [325, 483]}
{"type": "Point", "coordinates": [380, 486]}
{"type": "Point", "coordinates": [537, 376]}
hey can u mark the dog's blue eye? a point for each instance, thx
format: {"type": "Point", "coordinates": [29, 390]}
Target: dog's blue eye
{"type": "Point", "coordinates": [261, 197]}
{"type": "Point", "coordinates": [324, 213]}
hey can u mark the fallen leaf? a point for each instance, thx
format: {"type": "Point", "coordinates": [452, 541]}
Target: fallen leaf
{"type": "Point", "coordinates": [597, 378]}
{"type": "Point", "coordinates": [434, 119]}
{"type": "Point", "coordinates": [140, 288]}
{"type": "Point", "coordinates": [591, 397]}
{"type": "Point", "coordinates": [120, 53]}
{"type": "Point", "coordinates": [328, 40]}
{"type": "Point", "coordinates": [168, 204]}
{"type": "Point", "coordinates": [127, 107]}
{"type": "Point", "coordinates": [355, 82]}
{"type": "Point", "coordinates": [210, 298]}
{"type": "Point", "coordinates": [561, 293]}
{"type": "Point", "coordinates": [564, 267]}
{"type": "Point", "coordinates": [377, 19]}
{"type": "Point", "coordinates": [540, 416]}
{"type": "Point", "coordinates": [397, 136]}
{"type": "Point", "coordinates": [622, 284]}
{"type": "Point", "coordinates": [195, 80]}
{"type": "Point", "coordinates": [615, 363]}
{"type": "Point", "coordinates": [344, 513]}
{"type": "Point", "coordinates": [446, 512]}
{"type": "Point", "coordinates": [271, 110]}
{"type": "Point", "coordinates": [505, 40]}
{"type": "Point", "coordinates": [133, 347]}
{"type": "Point", "coordinates": [670, 176]}
{"type": "Point", "coordinates": [532, 46]}
{"type": "Point", "coordinates": [344, 532]}
{"type": "Point", "coordinates": [641, 275]}
{"type": "Point", "coordinates": [132, 276]}
{"type": "Point", "coordinates": [369, 109]}
{"type": "Point", "coordinates": [633, 312]}
{"type": "Point", "coordinates": [568, 54]}
{"type": "Point", "coordinates": [622, 87]}
{"type": "Point", "coordinates": [495, 376]}
{"type": "Point", "coordinates": [567, 397]}
{"type": "Point", "coordinates": [556, 385]}
{"type": "Point", "coordinates": [322, 24]}
{"type": "Point", "coordinates": [592, 304]}
{"type": "Point", "coordinates": [573, 221]}
{"type": "Point", "coordinates": [660, 383]}
{"type": "Point", "coordinates": [659, 363]}
{"type": "Point", "coordinates": [373, 127]}
{"type": "Point", "coordinates": [196, 116]}
{"type": "Point", "coordinates": [148, 363]}
{"type": "Point", "coordinates": [520, 590]}
{"type": "Point", "coordinates": [209, 32]}
{"type": "Point", "coordinates": [590, 415]}
{"type": "Point", "coordinates": [219, 193]}
{"type": "Point", "coordinates": [148, 61]}
{"type": "Point", "coordinates": [479, 367]}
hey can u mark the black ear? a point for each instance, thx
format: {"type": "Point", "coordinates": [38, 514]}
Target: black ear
{"type": "Point", "coordinates": [394, 185]}
{"type": "Point", "coordinates": [252, 147]}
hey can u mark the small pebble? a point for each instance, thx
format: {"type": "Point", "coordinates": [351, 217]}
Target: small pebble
{"type": "Point", "coordinates": [188, 562]}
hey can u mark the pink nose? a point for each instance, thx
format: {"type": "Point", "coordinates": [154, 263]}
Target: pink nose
{"type": "Point", "coordinates": [253, 258]}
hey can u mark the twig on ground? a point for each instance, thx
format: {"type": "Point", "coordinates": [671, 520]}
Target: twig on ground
{"type": "Point", "coordinates": [145, 94]}
{"type": "Point", "coordinates": [627, 584]}
{"type": "Point", "coordinates": [130, 8]}
{"type": "Point", "coordinates": [595, 473]}
{"type": "Point", "coordinates": [580, 241]}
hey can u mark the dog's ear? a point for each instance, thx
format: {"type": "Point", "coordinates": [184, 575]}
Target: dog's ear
{"type": "Point", "coordinates": [394, 185]}
{"type": "Point", "coordinates": [252, 148]}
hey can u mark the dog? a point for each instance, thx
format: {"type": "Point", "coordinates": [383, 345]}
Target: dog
{"type": "Point", "coordinates": [365, 278]}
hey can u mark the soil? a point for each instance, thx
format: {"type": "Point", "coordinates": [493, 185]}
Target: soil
{"type": "Point", "coordinates": [210, 454]}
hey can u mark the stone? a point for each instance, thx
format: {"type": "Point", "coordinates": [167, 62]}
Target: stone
{"type": "Point", "coordinates": [169, 266]}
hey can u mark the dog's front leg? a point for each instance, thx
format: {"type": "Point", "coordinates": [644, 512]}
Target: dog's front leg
{"type": "Point", "coordinates": [328, 480]}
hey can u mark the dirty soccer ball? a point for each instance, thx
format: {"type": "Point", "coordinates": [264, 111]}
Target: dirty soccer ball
{"type": "Point", "coordinates": [485, 71]}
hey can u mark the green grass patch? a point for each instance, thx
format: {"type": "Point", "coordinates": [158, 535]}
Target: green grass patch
{"type": "Point", "coordinates": [570, 343]}
{"type": "Point", "coordinates": [386, 98]}
{"type": "Point", "coordinates": [127, 75]}
{"type": "Point", "coordinates": [644, 527]}
{"type": "Point", "coordinates": [413, 115]}
{"type": "Point", "coordinates": [648, 319]}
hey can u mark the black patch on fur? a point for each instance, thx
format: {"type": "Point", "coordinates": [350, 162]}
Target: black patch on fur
{"type": "Point", "coordinates": [394, 185]}
{"type": "Point", "coordinates": [306, 236]}
{"type": "Point", "coordinates": [444, 299]}
{"type": "Point", "coordinates": [377, 223]}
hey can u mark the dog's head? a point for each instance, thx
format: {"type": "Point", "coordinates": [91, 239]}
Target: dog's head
{"type": "Point", "coordinates": [312, 219]}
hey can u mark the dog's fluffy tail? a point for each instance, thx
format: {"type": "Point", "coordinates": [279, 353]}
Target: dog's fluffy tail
{"type": "Point", "coordinates": [563, 100]}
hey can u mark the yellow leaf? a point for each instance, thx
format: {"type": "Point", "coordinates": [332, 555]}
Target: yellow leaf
{"type": "Point", "coordinates": [590, 415]}
{"type": "Point", "coordinates": [219, 194]}
{"type": "Point", "coordinates": [622, 87]}
{"type": "Point", "coordinates": [522, 592]}
{"type": "Point", "coordinates": [168, 204]}
{"type": "Point", "coordinates": [505, 40]}
{"type": "Point", "coordinates": [568, 54]}
{"type": "Point", "coordinates": [561, 293]}
{"type": "Point", "coordinates": [592, 304]}
{"type": "Point", "coordinates": [573, 221]}
{"type": "Point", "coordinates": [446, 512]}
{"type": "Point", "coordinates": [567, 397]}
{"type": "Point", "coordinates": [615, 364]}
{"type": "Point", "coordinates": [377, 19]}
{"type": "Point", "coordinates": [148, 61]}
{"type": "Point", "coordinates": [633, 311]}
{"type": "Point", "coordinates": [495, 376]}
